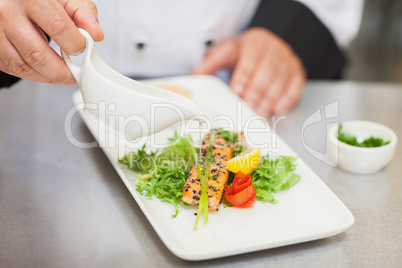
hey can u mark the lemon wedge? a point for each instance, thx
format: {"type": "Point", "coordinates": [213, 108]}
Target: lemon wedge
{"type": "Point", "coordinates": [245, 162]}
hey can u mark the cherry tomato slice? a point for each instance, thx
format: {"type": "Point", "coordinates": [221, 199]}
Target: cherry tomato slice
{"type": "Point", "coordinates": [240, 198]}
{"type": "Point", "coordinates": [228, 190]}
{"type": "Point", "coordinates": [241, 182]}
{"type": "Point", "coordinates": [240, 175]}
{"type": "Point", "coordinates": [250, 202]}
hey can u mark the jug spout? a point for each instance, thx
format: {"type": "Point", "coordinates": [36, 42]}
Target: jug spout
{"type": "Point", "coordinates": [191, 112]}
{"type": "Point", "coordinates": [173, 110]}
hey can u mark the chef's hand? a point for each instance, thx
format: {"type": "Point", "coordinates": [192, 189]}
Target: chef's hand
{"type": "Point", "coordinates": [267, 74]}
{"type": "Point", "coordinates": [24, 50]}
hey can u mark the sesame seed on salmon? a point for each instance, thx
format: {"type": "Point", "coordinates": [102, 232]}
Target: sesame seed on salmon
{"type": "Point", "coordinates": [218, 176]}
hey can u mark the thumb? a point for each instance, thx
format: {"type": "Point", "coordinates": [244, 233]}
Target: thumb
{"type": "Point", "coordinates": [224, 55]}
{"type": "Point", "coordinates": [85, 15]}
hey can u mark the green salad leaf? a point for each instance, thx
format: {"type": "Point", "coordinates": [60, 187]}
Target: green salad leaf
{"type": "Point", "coordinates": [165, 182]}
{"type": "Point", "coordinates": [139, 161]}
{"type": "Point", "coordinates": [273, 176]}
{"type": "Point", "coordinates": [229, 136]}
{"type": "Point", "coordinates": [232, 138]}
{"type": "Point", "coordinates": [163, 174]}
{"type": "Point", "coordinates": [352, 140]}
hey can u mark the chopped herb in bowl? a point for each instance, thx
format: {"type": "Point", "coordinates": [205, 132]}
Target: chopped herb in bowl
{"type": "Point", "coordinates": [370, 142]}
{"type": "Point", "coordinates": [356, 155]}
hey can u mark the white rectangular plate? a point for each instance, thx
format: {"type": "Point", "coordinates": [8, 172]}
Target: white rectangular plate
{"type": "Point", "coordinates": [307, 211]}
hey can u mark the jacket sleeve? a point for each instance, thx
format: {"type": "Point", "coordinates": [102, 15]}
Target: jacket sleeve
{"type": "Point", "coordinates": [341, 17]}
{"type": "Point", "coordinates": [296, 24]}
{"type": "Point", "coordinates": [7, 80]}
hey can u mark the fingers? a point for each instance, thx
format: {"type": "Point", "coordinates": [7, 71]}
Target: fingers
{"type": "Point", "coordinates": [53, 19]}
{"type": "Point", "coordinates": [37, 59]}
{"type": "Point", "coordinates": [268, 75]}
{"type": "Point", "coordinates": [24, 51]}
{"type": "Point", "coordinates": [292, 86]}
{"type": "Point", "coordinates": [224, 55]}
{"type": "Point", "coordinates": [281, 76]}
{"type": "Point", "coordinates": [251, 48]}
{"type": "Point", "coordinates": [291, 96]}
{"type": "Point", "coordinates": [280, 93]}
{"type": "Point", "coordinates": [85, 15]}
{"type": "Point", "coordinates": [266, 86]}
{"type": "Point", "coordinates": [263, 76]}
{"type": "Point", "coordinates": [61, 19]}
{"type": "Point", "coordinates": [12, 63]}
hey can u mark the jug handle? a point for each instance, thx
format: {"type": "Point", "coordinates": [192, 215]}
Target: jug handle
{"type": "Point", "coordinates": [75, 69]}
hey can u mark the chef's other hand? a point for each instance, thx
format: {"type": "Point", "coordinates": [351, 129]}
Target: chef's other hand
{"type": "Point", "coordinates": [267, 74]}
{"type": "Point", "coordinates": [24, 50]}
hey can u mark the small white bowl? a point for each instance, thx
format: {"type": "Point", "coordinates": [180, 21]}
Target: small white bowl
{"type": "Point", "coordinates": [362, 160]}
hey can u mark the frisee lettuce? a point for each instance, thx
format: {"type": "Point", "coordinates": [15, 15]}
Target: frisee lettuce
{"type": "Point", "coordinates": [139, 161]}
{"type": "Point", "coordinates": [273, 176]}
{"type": "Point", "coordinates": [163, 174]}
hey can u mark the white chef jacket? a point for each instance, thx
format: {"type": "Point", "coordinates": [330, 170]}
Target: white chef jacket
{"type": "Point", "coordinates": [152, 38]}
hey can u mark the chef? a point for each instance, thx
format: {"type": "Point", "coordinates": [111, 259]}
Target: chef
{"type": "Point", "coordinates": [270, 47]}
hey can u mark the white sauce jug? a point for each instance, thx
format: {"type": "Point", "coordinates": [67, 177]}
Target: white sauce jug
{"type": "Point", "coordinates": [124, 106]}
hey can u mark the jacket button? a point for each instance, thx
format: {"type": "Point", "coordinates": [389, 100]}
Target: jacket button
{"type": "Point", "coordinates": [209, 43]}
{"type": "Point", "coordinates": [140, 45]}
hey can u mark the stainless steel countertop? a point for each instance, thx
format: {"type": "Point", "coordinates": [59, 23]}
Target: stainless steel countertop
{"type": "Point", "coordinates": [62, 206]}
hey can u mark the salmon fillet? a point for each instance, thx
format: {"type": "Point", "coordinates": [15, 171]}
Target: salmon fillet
{"type": "Point", "coordinates": [218, 176]}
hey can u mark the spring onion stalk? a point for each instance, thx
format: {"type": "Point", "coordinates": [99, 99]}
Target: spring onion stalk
{"type": "Point", "coordinates": [200, 173]}
{"type": "Point", "coordinates": [203, 170]}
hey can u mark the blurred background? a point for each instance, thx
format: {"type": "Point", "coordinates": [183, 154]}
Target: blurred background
{"type": "Point", "coordinates": [376, 53]}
